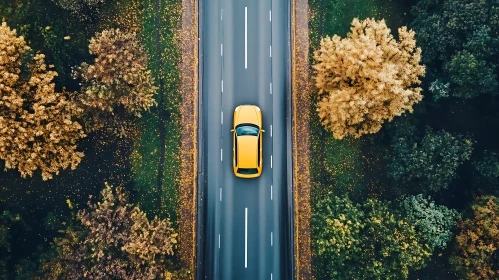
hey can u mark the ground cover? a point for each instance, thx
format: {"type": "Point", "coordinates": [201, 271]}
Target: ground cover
{"type": "Point", "coordinates": [155, 159]}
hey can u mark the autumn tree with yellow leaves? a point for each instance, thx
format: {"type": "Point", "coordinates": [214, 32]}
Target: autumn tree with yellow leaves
{"type": "Point", "coordinates": [37, 127]}
{"type": "Point", "coordinates": [114, 239]}
{"type": "Point", "coordinates": [366, 78]}
{"type": "Point", "coordinates": [117, 86]}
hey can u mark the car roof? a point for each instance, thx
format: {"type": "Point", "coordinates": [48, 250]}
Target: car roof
{"type": "Point", "coordinates": [247, 151]}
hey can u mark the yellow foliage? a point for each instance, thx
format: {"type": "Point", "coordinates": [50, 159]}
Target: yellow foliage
{"type": "Point", "coordinates": [36, 126]}
{"type": "Point", "coordinates": [366, 78]}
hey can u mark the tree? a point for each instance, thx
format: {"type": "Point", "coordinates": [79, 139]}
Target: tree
{"type": "Point", "coordinates": [118, 85]}
{"type": "Point", "coordinates": [37, 125]}
{"type": "Point", "coordinates": [114, 240]}
{"type": "Point", "coordinates": [435, 222]}
{"type": "Point", "coordinates": [366, 78]}
{"type": "Point", "coordinates": [337, 236]}
{"type": "Point", "coordinates": [476, 254]}
{"type": "Point", "coordinates": [365, 242]}
{"type": "Point", "coordinates": [470, 76]}
{"type": "Point", "coordinates": [430, 163]}
{"type": "Point", "coordinates": [486, 169]}
{"type": "Point", "coordinates": [459, 45]}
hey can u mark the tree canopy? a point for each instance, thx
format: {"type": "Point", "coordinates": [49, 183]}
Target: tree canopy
{"type": "Point", "coordinates": [117, 85]}
{"type": "Point", "coordinates": [476, 255]}
{"type": "Point", "coordinates": [458, 42]}
{"type": "Point", "coordinates": [366, 78]}
{"type": "Point", "coordinates": [435, 222]}
{"type": "Point", "coordinates": [365, 242]}
{"type": "Point", "coordinates": [430, 163]}
{"type": "Point", "coordinates": [114, 240]}
{"type": "Point", "coordinates": [38, 130]}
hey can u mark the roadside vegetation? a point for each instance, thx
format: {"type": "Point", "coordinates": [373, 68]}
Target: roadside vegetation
{"type": "Point", "coordinates": [89, 135]}
{"type": "Point", "coordinates": [403, 139]}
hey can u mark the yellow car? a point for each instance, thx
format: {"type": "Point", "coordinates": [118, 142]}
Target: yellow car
{"type": "Point", "coordinates": [247, 141]}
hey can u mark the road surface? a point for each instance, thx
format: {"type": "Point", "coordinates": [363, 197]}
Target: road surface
{"type": "Point", "coordinates": [244, 61]}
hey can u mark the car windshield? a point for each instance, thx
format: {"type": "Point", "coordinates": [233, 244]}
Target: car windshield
{"type": "Point", "coordinates": [247, 171]}
{"type": "Point", "coordinates": [247, 129]}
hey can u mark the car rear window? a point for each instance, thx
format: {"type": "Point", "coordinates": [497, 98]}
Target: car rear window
{"type": "Point", "coordinates": [247, 171]}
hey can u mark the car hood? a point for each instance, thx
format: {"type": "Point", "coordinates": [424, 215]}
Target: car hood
{"type": "Point", "coordinates": [247, 148]}
{"type": "Point", "coordinates": [247, 114]}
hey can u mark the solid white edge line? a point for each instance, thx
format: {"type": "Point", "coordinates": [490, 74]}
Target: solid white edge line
{"type": "Point", "coordinates": [270, 130]}
{"type": "Point", "coordinates": [271, 192]}
{"type": "Point", "coordinates": [246, 37]}
{"type": "Point", "coordinates": [222, 117]}
{"type": "Point", "coordinates": [270, 51]}
{"type": "Point", "coordinates": [270, 161]}
{"type": "Point", "coordinates": [220, 194]}
{"type": "Point", "coordinates": [245, 237]}
{"type": "Point", "coordinates": [271, 239]}
{"type": "Point", "coordinates": [219, 241]}
{"type": "Point", "coordinates": [221, 153]}
{"type": "Point", "coordinates": [270, 88]}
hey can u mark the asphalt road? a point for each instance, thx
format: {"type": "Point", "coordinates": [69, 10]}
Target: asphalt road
{"type": "Point", "coordinates": [244, 61]}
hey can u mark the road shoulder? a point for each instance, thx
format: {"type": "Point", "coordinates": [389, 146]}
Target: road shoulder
{"type": "Point", "coordinates": [189, 134]}
{"type": "Point", "coordinates": [301, 135]}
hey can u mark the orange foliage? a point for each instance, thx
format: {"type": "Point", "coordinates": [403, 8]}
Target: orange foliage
{"type": "Point", "coordinates": [478, 241]}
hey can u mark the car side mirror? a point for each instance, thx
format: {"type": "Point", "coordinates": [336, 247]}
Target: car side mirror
{"type": "Point", "coordinates": [263, 130]}
{"type": "Point", "coordinates": [232, 130]}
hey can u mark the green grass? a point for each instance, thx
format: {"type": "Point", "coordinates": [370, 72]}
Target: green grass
{"type": "Point", "coordinates": [146, 156]}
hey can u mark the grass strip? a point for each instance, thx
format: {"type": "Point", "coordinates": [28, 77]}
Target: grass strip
{"type": "Point", "coordinates": [156, 161]}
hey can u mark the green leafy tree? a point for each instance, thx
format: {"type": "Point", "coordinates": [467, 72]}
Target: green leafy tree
{"type": "Point", "coordinates": [476, 255]}
{"type": "Point", "coordinates": [458, 43]}
{"type": "Point", "coordinates": [430, 163]}
{"type": "Point", "coordinates": [365, 242]}
{"type": "Point", "coordinates": [470, 75]}
{"type": "Point", "coordinates": [435, 222]}
{"type": "Point", "coordinates": [486, 171]}
{"type": "Point", "coordinates": [338, 223]}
